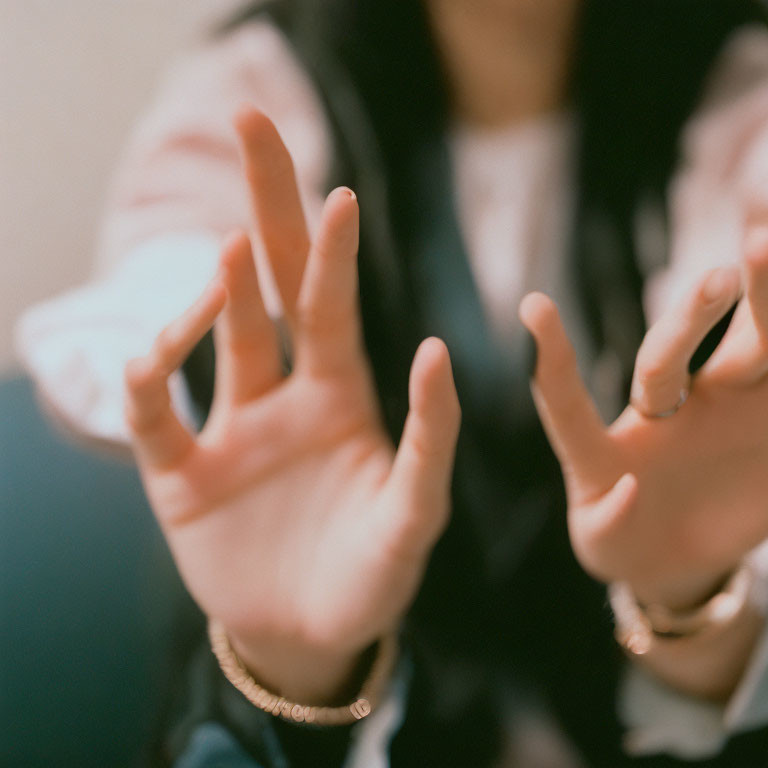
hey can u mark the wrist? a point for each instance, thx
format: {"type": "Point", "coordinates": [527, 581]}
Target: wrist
{"type": "Point", "coordinates": [283, 706]}
{"type": "Point", "coordinates": [318, 676]}
{"type": "Point", "coordinates": [702, 650]}
{"type": "Point", "coordinates": [684, 593]}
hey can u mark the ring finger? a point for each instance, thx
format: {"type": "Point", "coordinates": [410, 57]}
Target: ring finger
{"type": "Point", "coordinates": [661, 379]}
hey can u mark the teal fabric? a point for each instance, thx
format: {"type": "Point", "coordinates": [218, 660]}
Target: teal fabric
{"type": "Point", "coordinates": [92, 614]}
{"type": "Point", "coordinates": [212, 745]}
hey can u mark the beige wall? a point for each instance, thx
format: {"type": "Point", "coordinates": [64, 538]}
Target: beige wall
{"type": "Point", "coordinates": [72, 76]}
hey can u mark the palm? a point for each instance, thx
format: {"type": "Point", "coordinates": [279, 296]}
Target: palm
{"type": "Point", "coordinates": [298, 531]}
{"type": "Point", "coordinates": [291, 515]}
{"type": "Point", "coordinates": [705, 464]}
{"type": "Point", "coordinates": [668, 504]}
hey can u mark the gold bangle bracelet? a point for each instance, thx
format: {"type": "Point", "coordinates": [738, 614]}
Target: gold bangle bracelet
{"type": "Point", "coordinates": [365, 702]}
{"type": "Point", "coordinates": [640, 628]}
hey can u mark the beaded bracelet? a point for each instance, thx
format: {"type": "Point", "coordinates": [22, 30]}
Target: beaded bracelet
{"type": "Point", "coordinates": [370, 693]}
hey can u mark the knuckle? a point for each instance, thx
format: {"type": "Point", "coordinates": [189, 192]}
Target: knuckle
{"type": "Point", "coordinates": [243, 345]}
{"type": "Point", "coordinates": [650, 369]}
{"type": "Point", "coordinates": [135, 423]}
{"type": "Point", "coordinates": [756, 256]}
{"type": "Point", "coordinates": [559, 365]}
{"type": "Point", "coordinates": [138, 374]}
{"type": "Point", "coordinates": [165, 343]}
{"type": "Point", "coordinates": [426, 449]}
{"type": "Point", "coordinates": [324, 248]}
{"type": "Point", "coordinates": [701, 295]}
{"type": "Point", "coordinates": [761, 344]}
{"type": "Point", "coordinates": [322, 321]}
{"type": "Point", "coordinates": [146, 418]}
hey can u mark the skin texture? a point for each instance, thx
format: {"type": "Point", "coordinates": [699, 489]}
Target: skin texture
{"type": "Point", "coordinates": [668, 504]}
{"type": "Point", "coordinates": [506, 60]}
{"type": "Point", "coordinates": [292, 518]}
{"type": "Point", "coordinates": [295, 521]}
{"type": "Point", "coordinates": [671, 504]}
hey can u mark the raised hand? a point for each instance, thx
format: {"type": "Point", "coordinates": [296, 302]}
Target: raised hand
{"type": "Point", "coordinates": [291, 517]}
{"type": "Point", "coordinates": [674, 493]}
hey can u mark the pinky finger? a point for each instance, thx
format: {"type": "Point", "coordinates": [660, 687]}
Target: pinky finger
{"type": "Point", "coordinates": [159, 438]}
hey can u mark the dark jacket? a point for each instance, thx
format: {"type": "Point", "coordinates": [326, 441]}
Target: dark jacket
{"type": "Point", "coordinates": [504, 606]}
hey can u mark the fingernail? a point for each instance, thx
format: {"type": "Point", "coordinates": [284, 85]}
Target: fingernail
{"type": "Point", "coordinates": [530, 354]}
{"type": "Point", "coordinates": [350, 193]}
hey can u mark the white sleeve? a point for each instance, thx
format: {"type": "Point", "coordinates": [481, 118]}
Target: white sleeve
{"type": "Point", "coordinates": [660, 719]}
{"type": "Point", "coordinates": [370, 745]}
{"type": "Point", "coordinates": [178, 190]}
{"type": "Point", "coordinates": [724, 171]}
{"type": "Point", "coordinates": [76, 345]}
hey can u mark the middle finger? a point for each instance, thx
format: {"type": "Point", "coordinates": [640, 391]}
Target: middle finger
{"type": "Point", "coordinates": [276, 203]}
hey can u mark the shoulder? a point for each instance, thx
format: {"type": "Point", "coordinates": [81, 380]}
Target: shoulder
{"type": "Point", "coordinates": [733, 113]}
{"type": "Point", "coordinates": [722, 169]}
{"type": "Point", "coordinates": [180, 170]}
{"type": "Point", "coordinates": [254, 64]}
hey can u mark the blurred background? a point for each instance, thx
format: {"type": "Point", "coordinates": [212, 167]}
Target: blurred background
{"type": "Point", "coordinates": [74, 75]}
{"type": "Point", "coordinates": [92, 614]}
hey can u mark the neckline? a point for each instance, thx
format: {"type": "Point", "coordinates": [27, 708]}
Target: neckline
{"type": "Point", "coordinates": [547, 127]}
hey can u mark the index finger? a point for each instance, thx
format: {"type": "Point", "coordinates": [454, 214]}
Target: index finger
{"type": "Point", "coordinates": [572, 423]}
{"type": "Point", "coordinates": [159, 438]}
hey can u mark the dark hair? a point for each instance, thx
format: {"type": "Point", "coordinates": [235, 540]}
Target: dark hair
{"type": "Point", "coordinates": [641, 67]}
{"type": "Point", "coordinates": [639, 70]}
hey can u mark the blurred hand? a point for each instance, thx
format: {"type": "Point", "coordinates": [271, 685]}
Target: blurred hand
{"type": "Point", "coordinates": [290, 516]}
{"type": "Point", "coordinates": [667, 498]}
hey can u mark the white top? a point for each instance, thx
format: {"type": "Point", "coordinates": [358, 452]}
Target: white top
{"type": "Point", "coordinates": [179, 189]}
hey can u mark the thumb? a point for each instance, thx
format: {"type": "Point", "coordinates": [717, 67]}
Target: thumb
{"type": "Point", "coordinates": [613, 505]}
{"type": "Point", "coordinates": [421, 473]}
{"type": "Point", "coordinates": [595, 527]}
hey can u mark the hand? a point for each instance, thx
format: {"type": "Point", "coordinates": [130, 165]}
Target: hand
{"type": "Point", "coordinates": [290, 516]}
{"type": "Point", "coordinates": [669, 504]}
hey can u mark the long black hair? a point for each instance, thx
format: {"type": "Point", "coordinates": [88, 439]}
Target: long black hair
{"type": "Point", "coordinates": [639, 69]}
